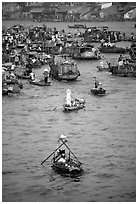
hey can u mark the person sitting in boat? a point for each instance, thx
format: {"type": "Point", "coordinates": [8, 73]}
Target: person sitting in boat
{"type": "Point", "coordinates": [100, 86]}
{"type": "Point", "coordinates": [32, 76]}
{"type": "Point", "coordinates": [61, 154]}
{"type": "Point", "coordinates": [95, 82]}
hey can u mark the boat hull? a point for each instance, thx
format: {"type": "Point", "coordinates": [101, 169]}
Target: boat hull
{"type": "Point", "coordinates": [72, 108]}
{"type": "Point", "coordinates": [98, 92]}
{"type": "Point", "coordinates": [67, 77]}
{"type": "Point", "coordinates": [103, 69]}
{"type": "Point", "coordinates": [70, 167]}
{"type": "Point", "coordinates": [38, 83]}
{"type": "Point", "coordinates": [113, 50]}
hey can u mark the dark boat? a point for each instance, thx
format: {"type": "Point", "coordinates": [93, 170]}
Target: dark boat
{"type": "Point", "coordinates": [114, 49]}
{"type": "Point", "coordinates": [40, 83]}
{"type": "Point", "coordinates": [64, 161]}
{"type": "Point", "coordinates": [64, 70]}
{"type": "Point", "coordinates": [124, 71]}
{"type": "Point", "coordinates": [98, 91]}
{"type": "Point", "coordinates": [78, 26]}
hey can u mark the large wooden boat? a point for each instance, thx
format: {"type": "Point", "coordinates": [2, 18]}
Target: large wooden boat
{"type": "Point", "coordinates": [114, 49]}
{"type": "Point", "coordinates": [64, 70]}
{"type": "Point", "coordinates": [64, 160]}
{"type": "Point", "coordinates": [124, 71]}
{"type": "Point", "coordinates": [77, 26]}
{"type": "Point", "coordinates": [85, 53]}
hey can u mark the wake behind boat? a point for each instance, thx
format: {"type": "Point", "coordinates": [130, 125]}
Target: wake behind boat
{"type": "Point", "coordinates": [64, 160]}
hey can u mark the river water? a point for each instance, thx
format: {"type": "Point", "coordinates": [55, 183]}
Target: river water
{"type": "Point", "coordinates": [102, 136]}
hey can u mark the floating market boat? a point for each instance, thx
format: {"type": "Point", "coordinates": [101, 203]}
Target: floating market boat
{"type": "Point", "coordinates": [72, 104]}
{"type": "Point", "coordinates": [64, 160]}
{"type": "Point", "coordinates": [124, 71]}
{"type": "Point", "coordinates": [85, 53]}
{"type": "Point", "coordinates": [78, 26]}
{"type": "Point", "coordinates": [40, 83]}
{"type": "Point", "coordinates": [114, 49]}
{"type": "Point", "coordinates": [64, 70]}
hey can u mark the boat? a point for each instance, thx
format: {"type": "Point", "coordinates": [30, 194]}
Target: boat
{"type": "Point", "coordinates": [10, 89]}
{"type": "Point", "coordinates": [114, 49]}
{"type": "Point", "coordinates": [99, 91]}
{"type": "Point", "coordinates": [124, 71]}
{"type": "Point", "coordinates": [78, 26]}
{"type": "Point", "coordinates": [118, 50]}
{"type": "Point", "coordinates": [85, 53]}
{"type": "Point", "coordinates": [64, 160]}
{"type": "Point", "coordinates": [64, 70]}
{"type": "Point", "coordinates": [100, 68]}
{"type": "Point", "coordinates": [40, 83]}
{"type": "Point", "coordinates": [72, 104]}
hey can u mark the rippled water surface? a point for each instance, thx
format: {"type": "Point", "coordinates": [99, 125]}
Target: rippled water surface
{"type": "Point", "coordinates": [103, 136]}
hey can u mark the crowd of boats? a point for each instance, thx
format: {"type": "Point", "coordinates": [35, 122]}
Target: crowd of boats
{"type": "Point", "coordinates": [27, 48]}
{"type": "Point", "coordinates": [24, 49]}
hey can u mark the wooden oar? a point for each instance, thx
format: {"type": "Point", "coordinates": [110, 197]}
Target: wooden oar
{"type": "Point", "coordinates": [52, 153]}
{"type": "Point", "coordinates": [105, 59]}
{"type": "Point", "coordinates": [70, 151]}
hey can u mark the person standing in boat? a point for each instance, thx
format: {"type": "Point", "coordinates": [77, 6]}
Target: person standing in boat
{"type": "Point", "coordinates": [32, 76]}
{"type": "Point", "coordinates": [46, 75]}
{"type": "Point", "coordinates": [96, 83]}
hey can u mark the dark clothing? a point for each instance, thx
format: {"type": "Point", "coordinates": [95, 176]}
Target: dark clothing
{"type": "Point", "coordinates": [46, 79]}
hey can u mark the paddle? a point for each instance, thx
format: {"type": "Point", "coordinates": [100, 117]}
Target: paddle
{"type": "Point", "coordinates": [70, 151]}
{"type": "Point", "coordinates": [51, 154]}
{"type": "Point", "coordinates": [105, 60]}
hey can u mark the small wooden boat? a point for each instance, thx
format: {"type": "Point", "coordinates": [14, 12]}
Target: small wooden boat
{"type": "Point", "coordinates": [78, 104]}
{"type": "Point", "coordinates": [103, 68]}
{"type": "Point", "coordinates": [11, 89]}
{"type": "Point", "coordinates": [98, 91]}
{"type": "Point", "coordinates": [40, 83]}
{"type": "Point", "coordinates": [72, 104]}
{"type": "Point", "coordinates": [64, 161]}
